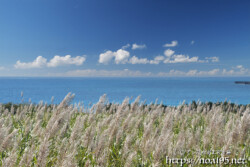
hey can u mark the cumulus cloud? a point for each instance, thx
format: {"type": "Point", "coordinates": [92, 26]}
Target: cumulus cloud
{"type": "Point", "coordinates": [120, 56]}
{"type": "Point", "coordinates": [66, 60]}
{"type": "Point", "coordinates": [135, 46]}
{"type": "Point", "coordinates": [168, 52]}
{"type": "Point", "coordinates": [172, 44]}
{"type": "Point", "coordinates": [192, 42]}
{"type": "Point", "coordinates": [169, 57]}
{"type": "Point", "coordinates": [40, 62]}
{"type": "Point", "coordinates": [157, 60]}
{"type": "Point", "coordinates": [106, 57]}
{"type": "Point", "coordinates": [181, 59]}
{"type": "Point", "coordinates": [37, 63]}
{"type": "Point", "coordinates": [136, 60]}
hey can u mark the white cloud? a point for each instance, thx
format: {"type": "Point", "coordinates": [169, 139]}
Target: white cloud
{"type": "Point", "coordinates": [2, 68]}
{"type": "Point", "coordinates": [106, 73]}
{"type": "Point", "coordinates": [136, 60]}
{"type": "Point", "coordinates": [211, 72]}
{"type": "Point", "coordinates": [106, 57]}
{"type": "Point", "coordinates": [121, 56]}
{"type": "Point", "coordinates": [40, 62]}
{"type": "Point", "coordinates": [192, 42]}
{"type": "Point", "coordinates": [126, 46]}
{"type": "Point", "coordinates": [168, 52]}
{"type": "Point", "coordinates": [157, 60]}
{"type": "Point", "coordinates": [130, 73]}
{"type": "Point", "coordinates": [37, 63]}
{"type": "Point", "coordinates": [172, 44]}
{"type": "Point", "coordinates": [239, 70]}
{"type": "Point", "coordinates": [233, 72]}
{"type": "Point", "coordinates": [181, 59]}
{"type": "Point", "coordinates": [189, 73]}
{"type": "Point", "coordinates": [170, 57]}
{"type": "Point", "coordinates": [135, 46]}
{"type": "Point", "coordinates": [184, 59]}
{"type": "Point", "coordinates": [66, 60]}
{"type": "Point", "coordinates": [135, 73]}
{"type": "Point", "coordinates": [213, 59]}
{"type": "Point", "coordinates": [239, 66]}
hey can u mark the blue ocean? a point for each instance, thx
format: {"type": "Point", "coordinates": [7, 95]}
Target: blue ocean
{"type": "Point", "coordinates": [169, 91]}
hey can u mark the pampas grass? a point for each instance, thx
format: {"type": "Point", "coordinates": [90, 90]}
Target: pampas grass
{"type": "Point", "coordinates": [127, 134]}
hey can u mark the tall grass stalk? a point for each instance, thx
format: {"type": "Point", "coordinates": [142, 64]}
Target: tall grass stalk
{"type": "Point", "coordinates": [127, 134]}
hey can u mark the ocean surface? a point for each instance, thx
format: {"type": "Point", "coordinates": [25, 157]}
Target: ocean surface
{"type": "Point", "coordinates": [169, 91]}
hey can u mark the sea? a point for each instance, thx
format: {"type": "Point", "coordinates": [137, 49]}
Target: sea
{"type": "Point", "coordinates": [168, 91]}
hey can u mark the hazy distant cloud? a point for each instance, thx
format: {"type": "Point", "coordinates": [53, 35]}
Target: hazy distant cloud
{"type": "Point", "coordinates": [239, 70]}
{"type": "Point", "coordinates": [233, 72]}
{"type": "Point", "coordinates": [106, 73]}
{"type": "Point", "coordinates": [136, 46]}
{"type": "Point", "coordinates": [172, 44]}
{"type": "Point", "coordinates": [66, 60]}
{"type": "Point", "coordinates": [213, 59]}
{"type": "Point", "coordinates": [239, 66]}
{"type": "Point", "coordinates": [126, 46]}
{"type": "Point", "coordinates": [40, 62]}
{"type": "Point", "coordinates": [171, 73]}
{"type": "Point", "coordinates": [192, 42]}
{"type": "Point", "coordinates": [189, 73]}
{"type": "Point", "coordinates": [37, 63]}
{"type": "Point", "coordinates": [2, 68]}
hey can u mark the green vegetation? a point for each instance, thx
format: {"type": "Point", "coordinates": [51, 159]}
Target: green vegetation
{"type": "Point", "coordinates": [121, 134]}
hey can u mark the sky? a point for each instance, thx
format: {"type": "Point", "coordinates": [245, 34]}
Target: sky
{"type": "Point", "coordinates": [132, 38]}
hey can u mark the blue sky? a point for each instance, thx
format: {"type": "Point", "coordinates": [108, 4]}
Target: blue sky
{"type": "Point", "coordinates": [124, 38]}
